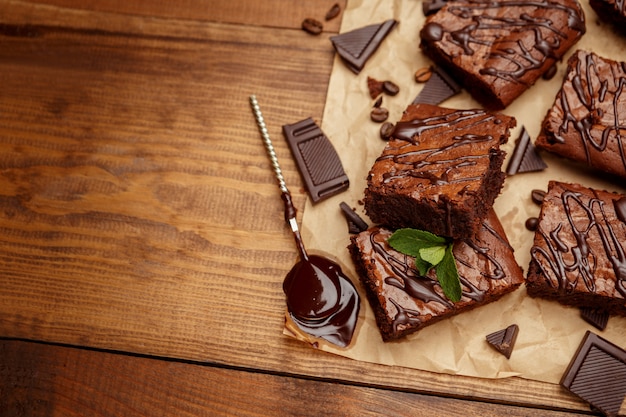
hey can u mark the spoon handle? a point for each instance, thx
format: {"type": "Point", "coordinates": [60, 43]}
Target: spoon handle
{"type": "Point", "coordinates": [268, 143]}
{"type": "Point", "coordinates": [290, 210]}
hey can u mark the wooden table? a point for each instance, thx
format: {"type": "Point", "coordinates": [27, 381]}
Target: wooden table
{"type": "Point", "coordinates": [142, 244]}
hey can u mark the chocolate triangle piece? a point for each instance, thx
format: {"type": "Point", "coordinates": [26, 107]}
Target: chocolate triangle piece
{"type": "Point", "coordinates": [504, 340]}
{"type": "Point", "coordinates": [357, 46]}
{"type": "Point", "coordinates": [597, 317]}
{"type": "Point", "coordinates": [439, 87]}
{"type": "Point", "coordinates": [525, 157]}
{"type": "Point", "coordinates": [355, 223]}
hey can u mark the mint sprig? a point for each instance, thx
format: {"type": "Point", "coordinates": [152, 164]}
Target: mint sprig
{"type": "Point", "coordinates": [430, 251]}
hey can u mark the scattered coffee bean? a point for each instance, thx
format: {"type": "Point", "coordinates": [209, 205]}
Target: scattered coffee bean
{"type": "Point", "coordinates": [537, 196]}
{"type": "Point", "coordinates": [391, 88]}
{"type": "Point", "coordinates": [386, 130]}
{"type": "Point", "coordinates": [333, 12]}
{"type": "Point", "coordinates": [379, 114]}
{"type": "Point", "coordinates": [531, 223]}
{"type": "Point", "coordinates": [423, 74]}
{"type": "Point", "coordinates": [378, 102]}
{"type": "Point", "coordinates": [550, 72]}
{"type": "Point", "coordinates": [312, 26]}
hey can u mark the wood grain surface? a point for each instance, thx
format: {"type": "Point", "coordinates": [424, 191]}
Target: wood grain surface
{"type": "Point", "coordinates": [139, 214]}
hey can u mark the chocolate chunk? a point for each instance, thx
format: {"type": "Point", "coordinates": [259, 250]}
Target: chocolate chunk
{"type": "Point", "coordinates": [355, 223]}
{"type": "Point", "coordinates": [430, 7]}
{"type": "Point", "coordinates": [597, 317]}
{"type": "Point", "coordinates": [357, 46]}
{"type": "Point", "coordinates": [333, 12]}
{"type": "Point", "coordinates": [504, 340]}
{"type": "Point", "coordinates": [525, 157]}
{"type": "Point", "coordinates": [375, 87]}
{"type": "Point", "coordinates": [317, 160]}
{"type": "Point", "coordinates": [597, 374]}
{"type": "Point", "coordinates": [439, 87]}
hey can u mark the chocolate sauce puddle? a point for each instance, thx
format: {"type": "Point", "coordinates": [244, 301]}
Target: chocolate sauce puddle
{"type": "Point", "coordinates": [321, 300]}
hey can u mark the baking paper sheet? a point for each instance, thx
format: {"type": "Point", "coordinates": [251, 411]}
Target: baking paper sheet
{"type": "Point", "coordinates": [549, 332]}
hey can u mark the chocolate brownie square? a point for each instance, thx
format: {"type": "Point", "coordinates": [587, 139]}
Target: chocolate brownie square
{"type": "Point", "coordinates": [578, 255]}
{"type": "Point", "coordinates": [612, 11]}
{"type": "Point", "coordinates": [405, 302]}
{"type": "Point", "coordinates": [587, 121]}
{"type": "Point", "coordinates": [498, 49]}
{"type": "Point", "coordinates": [440, 171]}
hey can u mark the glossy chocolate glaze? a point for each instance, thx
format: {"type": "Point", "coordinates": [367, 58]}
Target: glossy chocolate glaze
{"type": "Point", "coordinates": [321, 300]}
{"type": "Point", "coordinates": [412, 301]}
{"type": "Point", "coordinates": [579, 245]}
{"type": "Point", "coordinates": [588, 118]}
{"type": "Point", "coordinates": [511, 41]}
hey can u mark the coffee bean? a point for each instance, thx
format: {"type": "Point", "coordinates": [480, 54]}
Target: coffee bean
{"type": "Point", "coordinates": [312, 26]}
{"type": "Point", "coordinates": [531, 223]}
{"type": "Point", "coordinates": [378, 102]}
{"type": "Point", "coordinates": [391, 88]}
{"type": "Point", "coordinates": [386, 130]}
{"type": "Point", "coordinates": [422, 75]}
{"type": "Point", "coordinates": [537, 196]}
{"type": "Point", "coordinates": [333, 12]}
{"type": "Point", "coordinates": [379, 114]}
{"type": "Point", "coordinates": [550, 72]}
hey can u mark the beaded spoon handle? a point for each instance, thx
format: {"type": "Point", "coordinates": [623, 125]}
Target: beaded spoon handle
{"type": "Point", "coordinates": [290, 210]}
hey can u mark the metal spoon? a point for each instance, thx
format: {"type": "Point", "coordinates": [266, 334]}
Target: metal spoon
{"type": "Point", "coordinates": [321, 300]}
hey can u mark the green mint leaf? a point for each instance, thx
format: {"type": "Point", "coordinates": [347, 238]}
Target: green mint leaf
{"type": "Point", "coordinates": [448, 276]}
{"type": "Point", "coordinates": [410, 241]}
{"type": "Point", "coordinates": [433, 255]}
{"type": "Point", "coordinates": [422, 266]}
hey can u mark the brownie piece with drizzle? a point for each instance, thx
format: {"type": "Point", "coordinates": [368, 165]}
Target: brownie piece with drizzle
{"type": "Point", "coordinates": [405, 302]}
{"type": "Point", "coordinates": [587, 121]}
{"type": "Point", "coordinates": [578, 255]}
{"type": "Point", "coordinates": [440, 171]}
{"type": "Point", "coordinates": [498, 49]}
{"type": "Point", "coordinates": [613, 11]}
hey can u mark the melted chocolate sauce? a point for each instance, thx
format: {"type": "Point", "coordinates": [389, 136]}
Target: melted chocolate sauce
{"type": "Point", "coordinates": [488, 21]}
{"type": "Point", "coordinates": [584, 260]}
{"type": "Point", "coordinates": [321, 300]}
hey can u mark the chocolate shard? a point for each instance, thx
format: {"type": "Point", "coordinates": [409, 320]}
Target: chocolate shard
{"type": "Point", "coordinates": [317, 160]}
{"type": "Point", "coordinates": [597, 374]}
{"type": "Point", "coordinates": [431, 6]}
{"type": "Point", "coordinates": [355, 223]}
{"type": "Point", "coordinates": [597, 317]}
{"type": "Point", "coordinates": [525, 157]}
{"type": "Point", "coordinates": [357, 46]}
{"type": "Point", "coordinates": [504, 340]}
{"type": "Point", "coordinates": [439, 87]}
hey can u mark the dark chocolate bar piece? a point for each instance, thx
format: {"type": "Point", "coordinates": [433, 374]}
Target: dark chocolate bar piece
{"type": "Point", "coordinates": [597, 374]}
{"type": "Point", "coordinates": [317, 160]}
{"type": "Point", "coordinates": [439, 87]}
{"type": "Point", "coordinates": [504, 340]}
{"type": "Point", "coordinates": [525, 157]}
{"type": "Point", "coordinates": [597, 317]}
{"type": "Point", "coordinates": [355, 223]}
{"type": "Point", "coordinates": [357, 46]}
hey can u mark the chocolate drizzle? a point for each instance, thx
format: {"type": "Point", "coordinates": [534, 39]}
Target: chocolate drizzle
{"type": "Point", "coordinates": [564, 263]}
{"type": "Point", "coordinates": [509, 59]}
{"type": "Point", "coordinates": [402, 274]}
{"type": "Point", "coordinates": [422, 163]}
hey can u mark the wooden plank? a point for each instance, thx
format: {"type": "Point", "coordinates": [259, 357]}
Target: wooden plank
{"type": "Point", "coordinates": [283, 14]}
{"type": "Point", "coordinates": [40, 380]}
{"type": "Point", "coordinates": [138, 211]}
